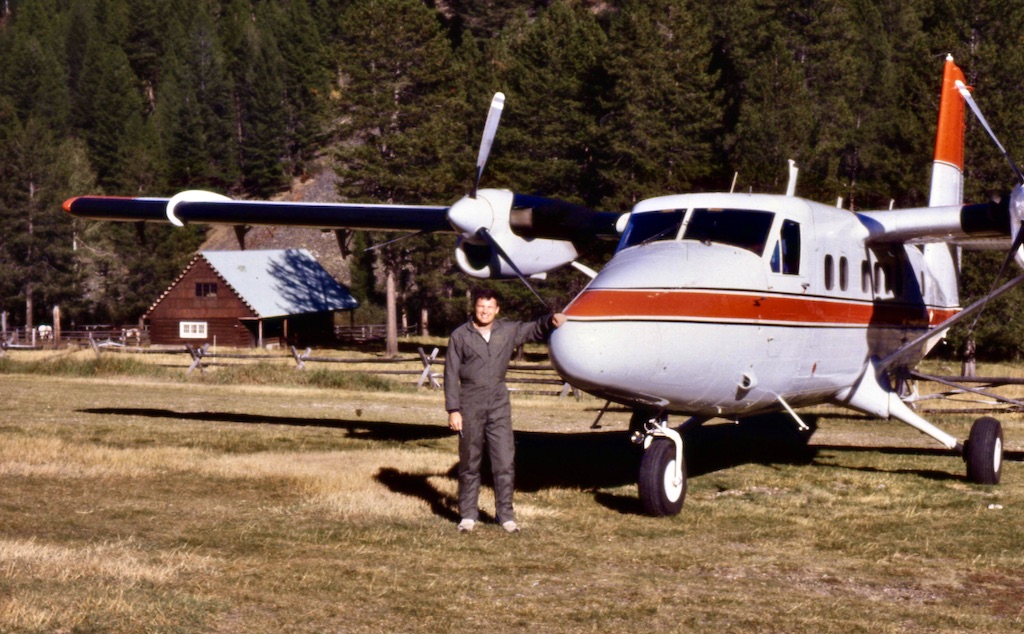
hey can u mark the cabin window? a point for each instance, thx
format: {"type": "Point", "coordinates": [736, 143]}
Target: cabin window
{"type": "Point", "coordinates": [651, 226]}
{"type": "Point", "coordinates": [865, 277]}
{"type": "Point", "coordinates": [896, 279]}
{"type": "Point", "coordinates": [844, 274]}
{"type": "Point", "coordinates": [744, 228]}
{"type": "Point", "coordinates": [206, 289]}
{"type": "Point", "coordinates": [786, 256]}
{"type": "Point", "coordinates": [829, 280]}
{"type": "Point", "coordinates": [883, 278]}
{"type": "Point", "coordinates": [192, 329]}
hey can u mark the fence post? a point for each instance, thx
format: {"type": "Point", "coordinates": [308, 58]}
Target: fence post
{"type": "Point", "coordinates": [197, 357]}
{"type": "Point", "coordinates": [427, 370]}
{"type": "Point", "coordinates": [299, 359]}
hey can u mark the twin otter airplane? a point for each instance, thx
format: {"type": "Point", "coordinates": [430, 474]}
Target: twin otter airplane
{"type": "Point", "coordinates": [715, 304]}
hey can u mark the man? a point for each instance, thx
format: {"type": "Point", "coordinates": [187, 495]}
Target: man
{"type": "Point", "coordinates": [477, 401]}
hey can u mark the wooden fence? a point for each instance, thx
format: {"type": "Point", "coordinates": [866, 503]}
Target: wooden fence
{"type": "Point", "coordinates": [523, 378]}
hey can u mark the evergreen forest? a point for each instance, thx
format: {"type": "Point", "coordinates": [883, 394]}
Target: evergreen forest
{"type": "Point", "coordinates": [608, 102]}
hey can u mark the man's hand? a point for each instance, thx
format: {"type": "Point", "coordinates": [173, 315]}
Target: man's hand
{"type": "Point", "coordinates": [557, 319]}
{"type": "Point", "coordinates": [455, 421]}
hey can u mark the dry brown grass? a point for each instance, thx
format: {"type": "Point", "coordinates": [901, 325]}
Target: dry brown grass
{"type": "Point", "coordinates": [138, 505]}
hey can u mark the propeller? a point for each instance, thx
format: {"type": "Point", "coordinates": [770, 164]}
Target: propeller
{"type": "Point", "coordinates": [966, 94]}
{"type": "Point", "coordinates": [486, 235]}
{"type": "Point", "coordinates": [487, 140]}
{"type": "Point", "coordinates": [469, 213]}
{"type": "Point", "coordinates": [1016, 205]}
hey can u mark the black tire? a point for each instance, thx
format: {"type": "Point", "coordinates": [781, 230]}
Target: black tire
{"type": "Point", "coordinates": [658, 496]}
{"type": "Point", "coordinates": [984, 451]}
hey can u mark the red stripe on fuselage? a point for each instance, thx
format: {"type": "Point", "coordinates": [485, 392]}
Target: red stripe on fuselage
{"type": "Point", "coordinates": [727, 306]}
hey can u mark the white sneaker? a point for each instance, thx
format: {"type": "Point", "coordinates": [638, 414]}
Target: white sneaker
{"type": "Point", "coordinates": [466, 526]}
{"type": "Point", "coordinates": [510, 526]}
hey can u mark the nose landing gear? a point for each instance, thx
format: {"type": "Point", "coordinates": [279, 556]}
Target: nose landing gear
{"type": "Point", "coordinates": [662, 481]}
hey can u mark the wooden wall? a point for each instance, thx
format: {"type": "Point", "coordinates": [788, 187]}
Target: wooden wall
{"type": "Point", "coordinates": [221, 313]}
{"type": "Point", "coordinates": [228, 318]}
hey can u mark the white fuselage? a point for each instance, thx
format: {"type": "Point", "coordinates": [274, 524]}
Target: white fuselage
{"type": "Point", "coordinates": [721, 304]}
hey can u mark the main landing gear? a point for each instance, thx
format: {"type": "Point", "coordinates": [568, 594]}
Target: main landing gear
{"type": "Point", "coordinates": [662, 481]}
{"type": "Point", "coordinates": [983, 451]}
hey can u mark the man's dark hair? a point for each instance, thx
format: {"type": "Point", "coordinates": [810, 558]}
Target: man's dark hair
{"type": "Point", "coordinates": [485, 293]}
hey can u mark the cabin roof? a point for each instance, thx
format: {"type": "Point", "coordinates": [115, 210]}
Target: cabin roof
{"type": "Point", "coordinates": [276, 283]}
{"type": "Point", "coordinates": [282, 282]}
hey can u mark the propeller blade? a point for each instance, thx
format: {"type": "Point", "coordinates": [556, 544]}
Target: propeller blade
{"type": "Point", "coordinates": [486, 235]}
{"type": "Point", "coordinates": [966, 94]}
{"type": "Point", "coordinates": [490, 130]}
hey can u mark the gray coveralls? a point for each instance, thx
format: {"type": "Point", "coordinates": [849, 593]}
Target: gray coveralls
{"type": "Point", "coordinates": [474, 384]}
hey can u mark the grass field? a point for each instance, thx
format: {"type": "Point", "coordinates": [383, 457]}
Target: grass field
{"type": "Point", "coordinates": [142, 504]}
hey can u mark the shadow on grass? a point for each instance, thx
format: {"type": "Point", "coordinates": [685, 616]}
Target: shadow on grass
{"type": "Point", "coordinates": [418, 485]}
{"type": "Point", "coordinates": [357, 428]}
{"type": "Point", "coordinates": [588, 460]}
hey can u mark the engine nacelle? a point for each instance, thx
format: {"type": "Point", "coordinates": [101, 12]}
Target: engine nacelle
{"type": "Point", "coordinates": [490, 213]}
{"type": "Point", "coordinates": [481, 260]}
{"type": "Point", "coordinates": [1016, 216]}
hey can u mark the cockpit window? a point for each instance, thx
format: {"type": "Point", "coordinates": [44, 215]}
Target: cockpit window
{"type": "Point", "coordinates": [744, 228]}
{"type": "Point", "coordinates": [652, 226]}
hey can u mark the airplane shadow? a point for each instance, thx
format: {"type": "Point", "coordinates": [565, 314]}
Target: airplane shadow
{"type": "Point", "coordinates": [358, 428]}
{"type": "Point", "coordinates": [589, 460]}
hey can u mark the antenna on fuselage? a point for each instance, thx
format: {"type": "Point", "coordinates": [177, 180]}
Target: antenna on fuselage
{"type": "Point", "coordinates": [793, 171]}
{"type": "Point", "coordinates": [734, 177]}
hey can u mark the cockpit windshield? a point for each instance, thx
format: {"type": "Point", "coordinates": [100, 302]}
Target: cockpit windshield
{"type": "Point", "coordinates": [744, 228]}
{"type": "Point", "coordinates": [652, 226]}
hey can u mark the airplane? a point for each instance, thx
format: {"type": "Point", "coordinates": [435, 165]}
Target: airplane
{"type": "Point", "coordinates": [714, 305]}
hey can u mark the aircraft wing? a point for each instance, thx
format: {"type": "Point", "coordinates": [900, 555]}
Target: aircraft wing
{"type": "Point", "coordinates": [981, 226]}
{"type": "Point", "coordinates": [213, 209]}
{"type": "Point", "coordinates": [501, 234]}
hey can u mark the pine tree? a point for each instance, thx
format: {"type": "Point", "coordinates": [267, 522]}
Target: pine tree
{"type": "Point", "coordinates": [36, 250]}
{"type": "Point", "coordinates": [306, 76]}
{"type": "Point", "coordinates": [108, 96]}
{"type": "Point", "coordinates": [553, 76]}
{"type": "Point", "coordinates": [661, 110]}
{"type": "Point", "coordinates": [401, 142]}
{"type": "Point", "coordinates": [196, 110]}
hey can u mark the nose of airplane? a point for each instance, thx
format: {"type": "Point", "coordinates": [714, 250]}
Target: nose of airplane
{"type": "Point", "coordinates": [578, 354]}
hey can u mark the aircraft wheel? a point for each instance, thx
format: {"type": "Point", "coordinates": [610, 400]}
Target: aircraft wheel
{"type": "Point", "coordinates": [984, 451]}
{"type": "Point", "coordinates": [658, 494]}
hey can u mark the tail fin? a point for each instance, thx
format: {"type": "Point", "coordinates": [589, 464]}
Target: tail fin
{"type": "Point", "coordinates": [942, 261]}
{"type": "Point", "coordinates": [948, 167]}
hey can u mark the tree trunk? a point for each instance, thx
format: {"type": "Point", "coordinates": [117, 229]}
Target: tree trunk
{"type": "Point", "coordinates": [391, 344]}
{"type": "Point", "coordinates": [28, 307]}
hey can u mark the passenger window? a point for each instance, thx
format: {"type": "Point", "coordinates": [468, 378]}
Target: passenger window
{"type": "Point", "coordinates": [790, 247]}
{"type": "Point", "coordinates": [844, 274]}
{"type": "Point", "coordinates": [829, 283]}
{"type": "Point", "coordinates": [865, 277]}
